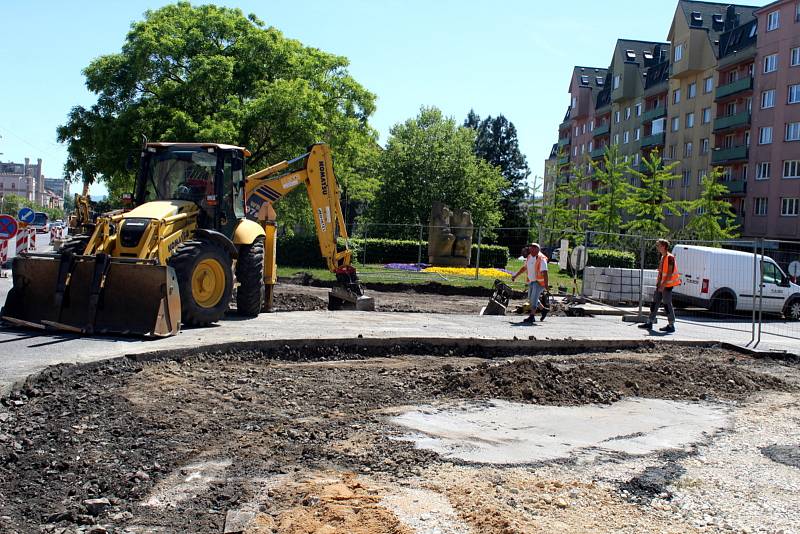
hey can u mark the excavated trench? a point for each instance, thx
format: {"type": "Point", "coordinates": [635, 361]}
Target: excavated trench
{"type": "Point", "coordinates": [306, 438]}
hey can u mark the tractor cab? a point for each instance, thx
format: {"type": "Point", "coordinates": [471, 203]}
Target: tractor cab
{"type": "Point", "coordinates": [210, 176]}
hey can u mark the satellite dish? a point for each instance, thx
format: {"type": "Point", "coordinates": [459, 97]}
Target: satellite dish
{"type": "Point", "coordinates": [578, 258]}
{"type": "Point", "coordinates": [794, 269]}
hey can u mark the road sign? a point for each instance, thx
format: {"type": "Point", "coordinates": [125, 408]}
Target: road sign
{"type": "Point", "coordinates": [578, 258]}
{"type": "Point", "coordinates": [8, 227]}
{"type": "Point", "coordinates": [26, 215]}
{"type": "Point", "coordinates": [794, 269]}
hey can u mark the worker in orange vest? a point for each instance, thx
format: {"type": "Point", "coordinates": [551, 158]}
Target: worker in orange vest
{"type": "Point", "coordinates": [668, 278]}
{"type": "Point", "coordinates": [536, 267]}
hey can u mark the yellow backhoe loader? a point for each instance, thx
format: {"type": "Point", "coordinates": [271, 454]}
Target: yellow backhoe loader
{"type": "Point", "coordinates": [171, 259]}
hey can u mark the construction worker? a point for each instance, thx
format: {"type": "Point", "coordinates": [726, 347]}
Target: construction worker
{"type": "Point", "coordinates": [536, 267]}
{"type": "Point", "coordinates": [668, 278]}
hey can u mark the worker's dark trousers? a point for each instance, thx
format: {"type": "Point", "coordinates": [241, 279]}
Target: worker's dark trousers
{"type": "Point", "coordinates": [666, 298]}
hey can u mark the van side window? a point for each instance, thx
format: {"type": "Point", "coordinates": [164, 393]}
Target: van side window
{"type": "Point", "coordinates": [769, 273]}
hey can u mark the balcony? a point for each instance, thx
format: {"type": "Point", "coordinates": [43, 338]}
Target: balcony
{"type": "Point", "coordinates": [563, 160]}
{"type": "Point", "coordinates": [739, 86]}
{"type": "Point", "coordinates": [564, 141]}
{"type": "Point", "coordinates": [601, 130]}
{"type": "Point", "coordinates": [654, 114]}
{"type": "Point", "coordinates": [597, 153]}
{"type": "Point", "coordinates": [729, 155]}
{"type": "Point", "coordinates": [736, 187]}
{"type": "Point", "coordinates": [653, 140]}
{"type": "Point", "coordinates": [737, 120]}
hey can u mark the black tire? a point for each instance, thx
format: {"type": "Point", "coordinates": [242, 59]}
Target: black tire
{"type": "Point", "coordinates": [186, 259]}
{"type": "Point", "coordinates": [723, 304]}
{"type": "Point", "coordinates": [792, 311]}
{"type": "Point", "coordinates": [75, 244]}
{"type": "Point", "coordinates": [250, 275]}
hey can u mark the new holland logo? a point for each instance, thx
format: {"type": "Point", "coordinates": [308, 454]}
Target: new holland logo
{"type": "Point", "coordinates": [321, 217]}
{"type": "Point", "coordinates": [323, 178]}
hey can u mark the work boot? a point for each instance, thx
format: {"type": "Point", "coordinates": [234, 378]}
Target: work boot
{"type": "Point", "coordinates": [529, 319]}
{"type": "Point", "coordinates": [668, 329]}
{"type": "Point", "coordinates": [544, 313]}
{"type": "Point", "coordinates": [646, 326]}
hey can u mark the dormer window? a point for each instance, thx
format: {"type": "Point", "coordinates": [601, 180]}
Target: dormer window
{"type": "Point", "coordinates": [630, 55]}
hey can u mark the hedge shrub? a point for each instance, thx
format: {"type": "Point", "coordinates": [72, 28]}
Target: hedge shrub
{"type": "Point", "coordinates": [599, 257]}
{"type": "Point", "coordinates": [303, 251]}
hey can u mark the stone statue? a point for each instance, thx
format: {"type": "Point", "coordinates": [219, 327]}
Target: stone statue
{"type": "Point", "coordinates": [449, 237]}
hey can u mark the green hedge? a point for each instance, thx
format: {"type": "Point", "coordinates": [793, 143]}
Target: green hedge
{"type": "Point", "coordinates": [303, 251]}
{"type": "Point", "coordinates": [599, 257]}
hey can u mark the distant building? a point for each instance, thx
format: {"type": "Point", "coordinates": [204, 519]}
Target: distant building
{"type": "Point", "coordinates": [59, 186]}
{"type": "Point", "coordinates": [23, 179]}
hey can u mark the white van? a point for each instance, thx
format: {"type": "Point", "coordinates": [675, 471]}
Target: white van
{"type": "Point", "coordinates": [722, 281]}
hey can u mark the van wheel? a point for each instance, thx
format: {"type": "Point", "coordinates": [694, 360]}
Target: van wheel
{"type": "Point", "coordinates": [792, 312]}
{"type": "Point", "coordinates": [723, 304]}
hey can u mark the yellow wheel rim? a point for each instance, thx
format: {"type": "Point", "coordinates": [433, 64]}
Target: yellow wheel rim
{"type": "Point", "coordinates": [208, 283]}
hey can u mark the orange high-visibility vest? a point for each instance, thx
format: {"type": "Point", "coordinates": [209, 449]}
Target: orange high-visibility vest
{"type": "Point", "coordinates": [538, 273]}
{"type": "Point", "coordinates": [669, 280]}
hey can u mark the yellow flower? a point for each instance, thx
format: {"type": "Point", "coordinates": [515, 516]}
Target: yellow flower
{"type": "Point", "coordinates": [468, 271]}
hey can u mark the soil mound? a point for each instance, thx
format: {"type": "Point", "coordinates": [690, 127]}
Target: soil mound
{"type": "Point", "coordinates": [287, 301]}
{"type": "Point", "coordinates": [606, 382]}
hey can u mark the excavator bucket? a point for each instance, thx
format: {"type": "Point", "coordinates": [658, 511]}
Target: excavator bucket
{"type": "Point", "coordinates": [93, 294]}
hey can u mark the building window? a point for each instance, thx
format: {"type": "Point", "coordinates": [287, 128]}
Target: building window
{"type": "Point", "coordinates": [626, 137]}
{"type": "Point", "coordinates": [773, 20]}
{"type": "Point", "coordinates": [727, 142]}
{"type": "Point", "coordinates": [765, 135]}
{"type": "Point", "coordinates": [616, 139]}
{"type": "Point", "coordinates": [793, 131]}
{"type": "Point", "coordinates": [659, 125]}
{"type": "Point", "coordinates": [584, 127]}
{"type": "Point", "coordinates": [704, 146]}
{"type": "Point", "coordinates": [686, 178]}
{"type": "Point", "coordinates": [706, 115]}
{"type": "Point", "coordinates": [691, 91]}
{"type": "Point", "coordinates": [702, 173]}
{"type": "Point", "coordinates": [700, 210]}
{"type": "Point", "coordinates": [639, 109]}
{"type": "Point", "coordinates": [676, 96]}
{"type": "Point", "coordinates": [577, 131]}
{"type": "Point", "coordinates": [672, 150]}
{"type": "Point", "coordinates": [768, 99]}
{"type": "Point", "coordinates": [763, 170]}
{"type": "Point", "coordinates": [791, 168]}
{"type": "Point", "coordinates": [636, 159]}
{"type": "Point", "coordinates": [760, 206]}
{"type": "Point", "coordinates": [730, 109]}
{"type": "Point", "coordinates": [627, 113]}
{"type": "Point", "coordinates": [591, 144]}
{"type": "Point", "coordinates": [770, 63]}
{"type": "Point", "coordinates": [794, 94]}
{"type": "Point", "coordinates": [678, 52]}
{"type": "Point", "coordinates": [617, 80]}
{"type": "Point", "coordinates": [676, 124]}
{"type": "Point", "coordinates": [591, 125]}
{"type": "Point", "coordinates": [797, 12]}
{"type": "Point", "coordinates": [795, 56]}
{"type": "Point", "coordinates": [637, 134]}
{"type": "Point", "coordinates": [789, 207]}
{"type": "Point", "coordinates": [747, 138]}
{"type": "Point", "coordinates": [708, 85]}
{"type": "Point", "coordinates": [616, 117]}
{"type": "Point", "coordinates": [690, 120]}
{"type": "Point", "coordinates": [687, 150]}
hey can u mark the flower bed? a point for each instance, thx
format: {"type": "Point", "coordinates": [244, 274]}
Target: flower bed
{"type": "Point", "coordinates": [490, 272]}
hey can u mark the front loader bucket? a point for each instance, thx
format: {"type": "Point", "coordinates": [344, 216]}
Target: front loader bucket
{"type": "Point", "coordinates": [101, 295]}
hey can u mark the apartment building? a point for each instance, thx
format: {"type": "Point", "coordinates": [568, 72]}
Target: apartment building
{"type": "Point", "coordinates": [773, 196]}
{"type": "Point", "coordinates": [695, 36]}
{"type": "Point", "coordinates": [656, 98]}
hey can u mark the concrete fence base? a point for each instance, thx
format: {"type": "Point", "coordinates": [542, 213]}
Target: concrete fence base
{"type": "Point", "coordinates": [613, 285]}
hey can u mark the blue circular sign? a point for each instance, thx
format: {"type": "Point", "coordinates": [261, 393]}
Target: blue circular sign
{"type": "Point", "coordinates": [8, 227]}
{"type": "Point", "coordinates": [26, 215]}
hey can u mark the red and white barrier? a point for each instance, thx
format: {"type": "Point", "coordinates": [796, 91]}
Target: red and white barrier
{"type": "Point", "coordinates": [31, 240]}
{"type": "Point", "coordinates": [3, 251]}
{"type": "Point", "coordinates": [22, 241]}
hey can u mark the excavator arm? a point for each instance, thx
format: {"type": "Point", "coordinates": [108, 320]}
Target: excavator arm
{"type": "Point", "coordinates": [314, 170]}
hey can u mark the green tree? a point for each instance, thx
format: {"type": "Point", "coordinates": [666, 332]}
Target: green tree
{"type": "Point", "coordinates": [608, 201]}
{"type": "Point", "coordinates": [496, 142]}
{"type": "Point", "coordinates": [649, 202]}
{"type": "Point", "coordinates": [564, 216]}
{"type": "Point", "coordinates": [11, 204]}
{"type": "Point", "coordinates": [430, 158]}
{"type": "Point", "coordinates": [210, 73]}
{"type": "Point", "coordinates": [714, 219]}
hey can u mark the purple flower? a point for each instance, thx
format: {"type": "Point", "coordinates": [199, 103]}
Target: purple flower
{"type": "Point", "coordinates": [414, 267]}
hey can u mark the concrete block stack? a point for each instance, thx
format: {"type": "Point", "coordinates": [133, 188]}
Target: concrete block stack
{"type": "Point", "coordinates": [614, 285]}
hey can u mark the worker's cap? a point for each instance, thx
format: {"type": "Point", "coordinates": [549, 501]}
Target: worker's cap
{"type": "Point", "coordinates": [534, 245]}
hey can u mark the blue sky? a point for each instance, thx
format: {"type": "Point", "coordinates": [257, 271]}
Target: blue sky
{"type": "Point", "coordinates": [512, 57]}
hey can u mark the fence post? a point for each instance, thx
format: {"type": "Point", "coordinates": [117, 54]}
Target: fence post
{"type": "Point", "coordinates": [366, 233]}
{"type": "Point", "coordinates": [478, 258]}
{"type": "Point", "coordinates": [641, 274]}
{"type": "Point", "coordinates": [753, 306]}
{"type": "Point", "coordinates": [419, 246]}
{"type": "Point", "coordinates": [760, 294]}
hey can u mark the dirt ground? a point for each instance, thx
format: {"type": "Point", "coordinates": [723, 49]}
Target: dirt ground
{"type": "Point", "coordinates": [297, 442]}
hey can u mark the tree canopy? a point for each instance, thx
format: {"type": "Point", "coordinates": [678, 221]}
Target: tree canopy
{"type": "Point", "coordinates": [714, 220]}
{"type": "Point", "coordinates": [430, 158]}
{"type": "Point", "coordinates": [496, 142]}
{"type": "Point", "coordinates": [649, 203]}
{"type": "Point", "coordinates": [210, 73]}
